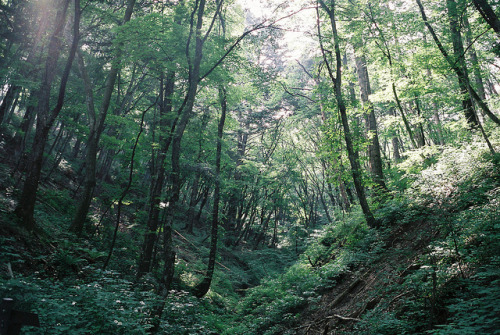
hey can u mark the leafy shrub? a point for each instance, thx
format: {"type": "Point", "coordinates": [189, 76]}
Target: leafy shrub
{"type": "Point", "coordinates": [476, 310]}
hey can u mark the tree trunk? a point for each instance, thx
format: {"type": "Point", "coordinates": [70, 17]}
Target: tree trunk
{"type": "Point", "coordinates": [158, 179]}
{"type": "Point", "coordinates": [125, 191]}
{"type": "Point", "coordinates": [337, 83]}
{"type": "Point", "coordinates": [455, 67]}
{"type": "Point", "coordinates": [46, 117]}
{"type": "Point", "coordinates": [375, 159]}
{"type": "Point", "coordinates": [90, 156]}
{"type": "Point", "coordinates": [185, 112]}
{"type": "Point", "coordinates": [420, 133]}
{"type": "Point", "coordinates": [7, 101]}
{"type": "Point", "coordinates": [476, 68]}
{"type": "Point", "coordinates": [488, 14]}
{"type": "Point", "coordinates": [235, 192]}
{"type": "Point", "coordinates": [96, 128]}
{"type": "Point", "coordinates": [202, 288]}
{"type": "Point", "coordinates": [459, 60]}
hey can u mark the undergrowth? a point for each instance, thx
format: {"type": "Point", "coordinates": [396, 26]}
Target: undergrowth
{"type": "Point", "coordinates": [452, 289]}
{"type": "Point", "coordinates": [455, 287]}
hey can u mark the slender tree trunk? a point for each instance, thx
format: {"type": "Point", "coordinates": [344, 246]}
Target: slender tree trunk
{"type": "Point", "coordinates": [459, 59]}
{"type": "Point", "coordinates": [125, 191]}
{"type": "Point", "coordinates": [476, 68]}
{"type": "Point", "coordinates": [455, 67]}
{"type": "Point", "coordinates": [488, 14]}
{"type": "Point", "coordinates": [236, 193]}
{"type": "Point", "coordinates": [76, 148]}
{"type": "Point", "coordinates": [194, 197]}
{"type": "Point", "coordinates": [202, 288]}
{"type": "Point", "coordinates": [204, 200]}
{"type": "Point", "coordinates": [439, 127]}
{"type": "Point", "coordinates": [10, 111]}
{"type": "Point", "coordinates": [387, 52]}
{"type": "Point", "coordinates": [91, 154]}
{"type": "Point", "coordinates": [491, 87]}
{"type": "Point", "coordinates": [264, 222]}
{"type": "Point", "coordinates": [45, 116]}
{"type": "Point", "coordinates": [7, 101]}
{"type": "Point", "coordinates": [96, 128]}
{"type": "Point", "coordinates": [395, 141]}
{"type": "Point", "coordinates": [337, 82]}
{"type": "Point", "coordinates": [186, 111]}
{"type": "Point", "coordinates": [435, 116]}
{"type": "Point", "coordinates": [421, 135]}
{"type": "Point", "coordinates": [193, 201]}
{"type": "Point", "coordinates": [158, 179]}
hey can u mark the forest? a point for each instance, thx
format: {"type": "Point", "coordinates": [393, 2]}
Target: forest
{"type": "Point", "coordinates": [250, 166]}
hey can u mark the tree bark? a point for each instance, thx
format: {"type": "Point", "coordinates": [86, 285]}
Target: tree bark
{"type": "Point", "coordinates": [420, 133]}
{"type": "Point", "coordinates": [202, 288]}
{"type": "Point", "coordinates": [476, 68]}
{"type": "Point", "coordinates": [459, 60]}
{"type": "Point", "coordinates": [96, 128]}
{"type": "Point", "coordinates": [158, 179]}
{"type": "Point", "coordinates": [456, 68]}
{"type": "Point", "coordinates": [395, 140]}
{"type": "Point", "coordinates": [488, 14]}
{"type": "Point", "coordinates": [46, 117]}
{"type": "Point", "coordinates": [375, 159]}
{"type": "Point", "coordinates": [337, 83]}
{"type": "Point", "coordinates": [8, 100]}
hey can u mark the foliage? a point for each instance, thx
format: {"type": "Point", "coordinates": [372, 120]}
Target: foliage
{"type": "Point", "coordinates": [276, 305]}
{"type": "Point", "coordinates": [290, 229]}
{"type": "Point", "coordinates": [454, 287]}
{"type": "Point", "coordinates": [103, 304]}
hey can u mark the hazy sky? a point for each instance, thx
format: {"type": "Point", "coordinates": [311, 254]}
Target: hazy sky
{"type": "Point", "coordinates": [298, 27]}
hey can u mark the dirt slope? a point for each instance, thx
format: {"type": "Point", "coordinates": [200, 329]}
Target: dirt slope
{"type": "Point", "coordinates": [371, 285]}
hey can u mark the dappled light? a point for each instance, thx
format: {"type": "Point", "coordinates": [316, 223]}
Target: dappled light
{"type": "Point", "coordinates": [249, 167]}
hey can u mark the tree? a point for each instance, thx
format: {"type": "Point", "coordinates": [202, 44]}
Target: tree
{"type": "Point", "coordinates": [202, 288]}
{"type": "Point", "coordinates": [45, 115]}
{"type": "Point", "coordinates": [458, 71]}
{"type": "Point", "coordinates": [459, 60]}
{"type": "Point", "coordinates": [375, 158]}
{"type": "Point", "coordinates": [488, 14]}
{"type": "Point", "coordinates": [96, 127]}
{"type": "Point", "coordinates": [337, 85]}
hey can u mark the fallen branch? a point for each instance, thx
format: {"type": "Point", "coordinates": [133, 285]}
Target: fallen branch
{"type": "Point", "coordinates": [345, 292]}
{"type": "Point", "coordinates": [334, 316]}
{"type": "Point", "coordinates": [194, 245]}
{"type": "Point", "coordinates": [344, 318]}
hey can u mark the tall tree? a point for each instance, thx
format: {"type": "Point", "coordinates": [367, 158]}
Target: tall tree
{"type": "Point", "coordinates": [374, 156]}
{"type": "Point", "coordinates": [453, 64]}
{"type": "Point", "coordinates": [46, 116]}
{"type": "Point", "coordinates": [476, 67]}
{"type": "Point", "coordinates": [202, 288]}
{"type": "Point", "coordinates": [96, 127]}
{"type": "Point", "coordinates": [384, 47]}
{"type": "Point", "coordinates": [488, 14]}
{"type": "Point", "coordinates": [337, 85]}
{"type": "Point", "coordinates": [167, 86]}
{"type": "Point", "coordinates": [459, 60]}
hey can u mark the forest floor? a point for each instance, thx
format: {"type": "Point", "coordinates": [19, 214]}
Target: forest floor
{"type": "Point", "coordinates": [440, 264]}
{"type": "Point", "coordinates": [371, 284]}
{"type": "Point", "coordinates": [433, 259]}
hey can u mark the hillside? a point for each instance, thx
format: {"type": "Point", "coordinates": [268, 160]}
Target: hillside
{"type": "Point", "coordinates": [433, 268]}
{"type": "Point", "coordinates": [434, 260]}
{"type": "Point", "coordinates": [250, 166]}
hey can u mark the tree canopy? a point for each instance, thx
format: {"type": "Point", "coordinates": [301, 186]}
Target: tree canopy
{"type": "Point", "coordinates": [251, 167]}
